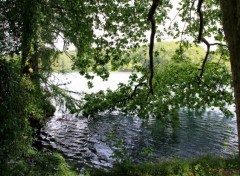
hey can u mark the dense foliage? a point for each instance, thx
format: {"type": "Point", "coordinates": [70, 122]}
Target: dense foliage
{"type": "Point", "coordinates": [15, 131]}
{"type": "Point", "coordinates": [108, 34]}
{"type": "Point", "coordinates": [23, 110]}
{"type": "Point", "coordinates": [136, 57]}
{"type": "Point", "coordinates": [177, 87]}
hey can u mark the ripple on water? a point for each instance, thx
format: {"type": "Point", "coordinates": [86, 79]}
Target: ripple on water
{"type": "Point", "coordinates": [93, 142]}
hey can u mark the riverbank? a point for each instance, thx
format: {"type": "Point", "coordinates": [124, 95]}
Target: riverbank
{"type": "Point", "coordinates": [203, 166]}
{"type": "Point", "coordinates": [53, 164]}
{"type": "Point", "coordinates": [37, 163]}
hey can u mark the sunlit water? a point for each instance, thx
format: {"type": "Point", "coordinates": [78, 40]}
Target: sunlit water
{"type": "Point", "coordinates": [100, 141]}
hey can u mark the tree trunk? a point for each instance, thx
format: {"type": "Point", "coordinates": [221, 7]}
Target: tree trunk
{"type": "Point", "coordinates": [29, 31]}
{"type": "Point", "coordinates": [231, 25]}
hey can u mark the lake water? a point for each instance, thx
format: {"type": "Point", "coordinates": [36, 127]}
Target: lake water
{"type": "Point", "coordinates": [102, 140]}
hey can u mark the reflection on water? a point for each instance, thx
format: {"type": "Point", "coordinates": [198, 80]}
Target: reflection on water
{"type": "Point", "coordinates": [95, 141]}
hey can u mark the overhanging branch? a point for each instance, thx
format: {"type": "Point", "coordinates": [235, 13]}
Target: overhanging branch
{"type": "Point", "coordinates": [151, 18]}
{"type": "Point", "coordinates": [202, 39]}
{"type": "Point", "coordinates": [199, 10]}
{"type": "Point", "coordinates": [205, 59]}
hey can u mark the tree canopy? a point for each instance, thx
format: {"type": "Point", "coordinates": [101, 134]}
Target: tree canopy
{"type": "Point", "coordinates": [109, 32]}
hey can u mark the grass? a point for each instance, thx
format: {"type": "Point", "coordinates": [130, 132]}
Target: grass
{"type": "Point", "coordinates": [36, 163]}
{"type": "Point", "coordinates": [204, 166]}
{"type": "Point", "coordinates": [48, 163]}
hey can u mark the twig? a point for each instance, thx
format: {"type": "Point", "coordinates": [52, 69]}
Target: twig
{"type": "Point", "coordinates": [220, 44]}
{"type": "Point", "coordinates": [175, 17]}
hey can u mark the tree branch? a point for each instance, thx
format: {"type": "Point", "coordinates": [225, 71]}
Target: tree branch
{"type": "Point", "coordinates": [199, 10]}
{"type": "Point", "coordinates": [135, 89]}
{"type": "Point", "coordinates": [153, 9]}
{"type": "Point", "coordinates": [206, 56]}
{"type": "Point", "coordinates": [205, 59]}
{"type": "Point", "coordinates": [151, 18]}
{"type": "Point", "coordinates": [129, 97]}
{"type": "Point", "coordinates": [202, 39]}
{"type": "Point", "coordinates": [133, 93]}
{"type": "Point", "coordinates": [220, 44]}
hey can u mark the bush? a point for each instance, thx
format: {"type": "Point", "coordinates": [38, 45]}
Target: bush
{"type": "Point", "coordinates": [23, 108]}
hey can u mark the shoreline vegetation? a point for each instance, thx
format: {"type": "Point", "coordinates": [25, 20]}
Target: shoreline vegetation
{"type": "Point", "coordinates": [27, 160]}
{"type": "Point", "coordinates": [200, 71]}
{"type": "Point", "coordinates": [164, 52]}
{"type": "Point", "coordinates": [207, 165]}
{"type": "Point", "coordinates": [47, 162]}
{"type": "Point", "coordinates": [202, 166]}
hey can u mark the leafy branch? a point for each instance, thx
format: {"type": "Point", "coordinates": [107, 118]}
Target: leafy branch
{"type": "Point", "coordinates": [150, 18]}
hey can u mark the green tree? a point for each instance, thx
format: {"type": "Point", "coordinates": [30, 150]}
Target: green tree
{"type": "Point", "coordinates": [106, 32]}
{"type": "Point", "coordinates": [194, 86]}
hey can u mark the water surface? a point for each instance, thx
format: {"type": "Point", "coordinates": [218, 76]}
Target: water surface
{"type": "Point", "coordinates": [99, 141]}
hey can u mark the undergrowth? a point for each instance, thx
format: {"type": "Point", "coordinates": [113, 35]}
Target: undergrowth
{"type": "Point", "coordinates": [204, 166]}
